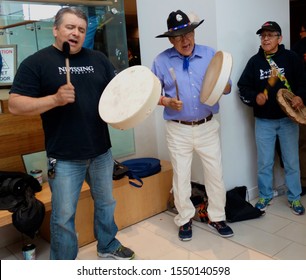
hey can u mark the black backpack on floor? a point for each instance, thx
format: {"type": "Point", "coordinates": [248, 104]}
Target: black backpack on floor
{"type": "Point", "coordinates": [237, 208]}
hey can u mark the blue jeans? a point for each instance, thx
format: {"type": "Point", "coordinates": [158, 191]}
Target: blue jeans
{"type": "Point", "coordinates": [266, 131]}
{"type": "Point", "coordinates": [66, 187]}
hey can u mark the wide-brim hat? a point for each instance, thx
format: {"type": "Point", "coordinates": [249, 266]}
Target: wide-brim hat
{"type": "Point", "coordinates": [179, 24]}
{"type": "Point", "coordinates": [270, 26]}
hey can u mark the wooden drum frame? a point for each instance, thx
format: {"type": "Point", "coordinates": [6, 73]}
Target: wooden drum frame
{"type": "Point", "coordinates": [216, 78]}
{"type": "Point", "coordinates": [284, 98]}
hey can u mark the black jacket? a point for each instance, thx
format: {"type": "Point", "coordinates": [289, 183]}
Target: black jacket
{"type": "Point", "coordinates": [254, 80]}
{"type": "Point", "coordinates": [300, 49]}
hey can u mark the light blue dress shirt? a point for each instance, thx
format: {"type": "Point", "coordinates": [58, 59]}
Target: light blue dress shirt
{"type": "Point", "coordinates": [189, 82]}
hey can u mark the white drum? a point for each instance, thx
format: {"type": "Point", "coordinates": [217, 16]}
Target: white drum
{"type": "Point", "coordinates": [216, 78]}
{"type": "Point", "coordinates": [130, 97]}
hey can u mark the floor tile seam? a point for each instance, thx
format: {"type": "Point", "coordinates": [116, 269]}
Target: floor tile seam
{"type": "Point", "coordinates": [289, 219]}
{"type": "Point", "coordinates": [272, 232]}
{"type": "Point", "coordinates": [255, 250]}
{"type": "Point", "coordinates": [227, 239]}
{"type": "Point", "coordinates": [12, 252]}
{"type": "Point", "coordinates": [252, 247]}
{"type": "Point", "coordinates": [9, 252]}
{"type": "Point", "coordinates": [279, 230]}
{"type": "Point", "coordinates": [291, 242]}
{"type": "Point", "coordinates": [243, 245]}
{"type": "Point", "coordinates": [184, 249]}
{"type": "Point", "coordinates": [267, 231]}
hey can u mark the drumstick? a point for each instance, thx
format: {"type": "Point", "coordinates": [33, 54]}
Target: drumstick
{"type": "Point", "coordinates": [66, 51]}
{"type": "Point", "coordinates": [174, 79]}
{"type": "Point", "coordinates": [271, 81]}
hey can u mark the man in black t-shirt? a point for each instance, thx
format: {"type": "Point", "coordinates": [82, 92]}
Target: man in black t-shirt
{"type": "Point", "coordinates": [77, 139]}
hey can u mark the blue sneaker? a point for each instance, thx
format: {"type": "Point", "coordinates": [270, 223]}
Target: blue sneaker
{"type": "Point", "coordinates": [262, 203]}
{"type": "Point", "coordinates": [297, 207]}
{"type": "Point", "coordinates": [185, 231]}
{"type": "Point", "coordinates": [122, 253]}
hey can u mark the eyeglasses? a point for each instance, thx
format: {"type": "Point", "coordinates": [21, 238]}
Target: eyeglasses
{"type": "Point", "coordinates": [269, 36]}
{"type": "Point", "coordinates": [188, 36]}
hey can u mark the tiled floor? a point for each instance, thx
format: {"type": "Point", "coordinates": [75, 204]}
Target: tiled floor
{"type": "Point", "coordinates": [279, 235]}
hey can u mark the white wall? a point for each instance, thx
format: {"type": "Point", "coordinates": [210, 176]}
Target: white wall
{"type": "Point", "coordinates": [230, 25]}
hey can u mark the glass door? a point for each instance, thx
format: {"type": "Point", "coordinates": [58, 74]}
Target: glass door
{"type": "Point", "coordinates": [28, 26]}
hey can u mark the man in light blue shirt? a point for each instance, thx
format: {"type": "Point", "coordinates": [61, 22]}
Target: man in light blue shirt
{"type": "Point", "coordinates": [190, 124]}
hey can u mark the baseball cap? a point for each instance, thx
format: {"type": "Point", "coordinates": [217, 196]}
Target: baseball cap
{"type": "Point", "coordinates": [270, 26]}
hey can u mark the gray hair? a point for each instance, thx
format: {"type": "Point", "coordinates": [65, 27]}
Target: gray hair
{"type": "Point", "coordinates": [69, 10]}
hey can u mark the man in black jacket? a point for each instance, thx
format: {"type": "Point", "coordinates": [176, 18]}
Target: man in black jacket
{"type": "Point", "coordinates": [286, 70]}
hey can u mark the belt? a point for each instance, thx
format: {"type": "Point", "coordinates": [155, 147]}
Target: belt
{"type": "Point", "coordinates": [207, 119]}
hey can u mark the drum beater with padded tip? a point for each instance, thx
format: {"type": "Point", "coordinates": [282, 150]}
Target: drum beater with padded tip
{"type": "Point", "coordinates": [175, 82]}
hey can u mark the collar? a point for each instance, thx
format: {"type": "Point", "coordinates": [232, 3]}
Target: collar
{"type": "Point", "coordinates": [195, 53]}
{"type": "Point", "coordinates": [281, 47]}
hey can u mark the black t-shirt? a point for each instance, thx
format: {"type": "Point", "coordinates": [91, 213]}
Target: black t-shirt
{"type": "Point", "coordinates": [74, 131]}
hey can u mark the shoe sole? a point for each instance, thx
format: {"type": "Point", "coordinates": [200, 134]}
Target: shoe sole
{"type": "Point", "coordinates": [185, 239]}
{"type": "Point", "coordinates": [216, 231]}
{"type": "Point", "coordinates": [109, 255]}
{"type": "Point", "coordinates": [294, 212]}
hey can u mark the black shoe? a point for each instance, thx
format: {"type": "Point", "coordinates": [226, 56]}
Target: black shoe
{"type": "Point", "coordinates": [185, 231]}
{"type": "Point", "coordinates": [222, 228]}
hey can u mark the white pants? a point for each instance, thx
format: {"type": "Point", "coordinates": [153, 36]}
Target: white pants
{"type": "Point", "coordinates": [182, 141]}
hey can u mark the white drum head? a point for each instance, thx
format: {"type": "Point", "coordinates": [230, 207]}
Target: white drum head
{"type": "Point", "coordinates": [130, 97]}
{"type": "Point", "coordinates": [216, 77]}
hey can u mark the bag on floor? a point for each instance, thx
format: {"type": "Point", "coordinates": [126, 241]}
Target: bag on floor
{"type": "Point", "coordinates": [140, 168]}
{"type": "Point", "coordinates": [237, 208]}
{"type": "Point", "coordinates": [198, 198]}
